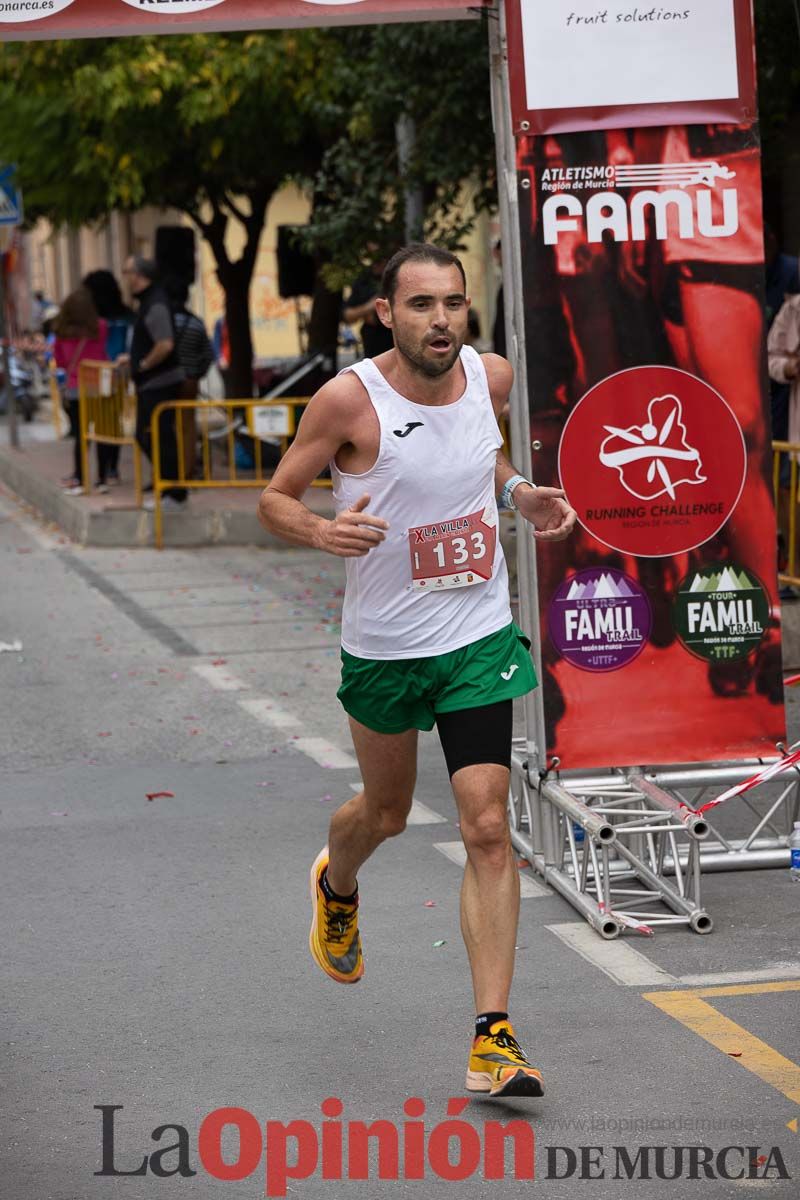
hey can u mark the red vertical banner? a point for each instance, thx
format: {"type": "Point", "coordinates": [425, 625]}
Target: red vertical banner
{"type": "Point", "coordinates": [642, 249]}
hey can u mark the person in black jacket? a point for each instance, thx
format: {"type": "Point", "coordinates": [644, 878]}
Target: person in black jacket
{"type": "Point", "coordinates": [155, 369]}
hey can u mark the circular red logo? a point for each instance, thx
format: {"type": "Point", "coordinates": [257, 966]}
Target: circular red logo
{"type": "Point", "coordinates": [653, 461]}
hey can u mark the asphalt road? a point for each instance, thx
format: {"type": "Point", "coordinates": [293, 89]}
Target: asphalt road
{"type": "Point", "coordinates": [154, 950]}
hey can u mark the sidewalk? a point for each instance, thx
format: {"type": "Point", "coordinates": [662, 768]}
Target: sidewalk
{"type": "Point", "coordinates": [215, 516]}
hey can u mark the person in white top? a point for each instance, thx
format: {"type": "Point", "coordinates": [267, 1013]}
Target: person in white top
{"type": "Point", "coordinates": [427, 634]}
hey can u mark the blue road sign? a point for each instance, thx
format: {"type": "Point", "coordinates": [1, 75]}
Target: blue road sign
{"type": "Point", "coordinates": [10, 196]}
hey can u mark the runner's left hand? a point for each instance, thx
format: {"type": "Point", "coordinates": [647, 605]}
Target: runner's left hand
{"type": "Point", "coordinates": [547, 510]}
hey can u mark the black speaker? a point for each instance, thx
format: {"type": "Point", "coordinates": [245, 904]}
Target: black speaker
{"type": "Point", "coordinates": [175, 252]}
{"type": "Point", "coordinates": [297, 270]}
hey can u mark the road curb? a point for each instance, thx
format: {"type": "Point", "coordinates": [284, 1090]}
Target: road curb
{"type": "Point", "coordinates": [131, 527]}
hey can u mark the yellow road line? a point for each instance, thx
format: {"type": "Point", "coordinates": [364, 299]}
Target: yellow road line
{"type": "Point", "coordinates": [749, 989]}
{"type": "Point", "coordinates": [751, 1053]}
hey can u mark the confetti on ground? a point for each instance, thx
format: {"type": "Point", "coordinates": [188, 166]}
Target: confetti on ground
{"type": "Point", "coordinates": [11, 647]}
{"type": "Point", "coordinates": [441, 942]}
{"type": "Point", "coordinates": [327, 796]}
{"type": "Point", "coordinates": [430, 904]}
{"type": "Point", "coordinates": [104, 734]}
{"type": "Point", "coordinates": [219, 662]}
{"type": "Point", "coordinates": [59, 814]}
{"type": "Point", "coordinates": [158, 795]}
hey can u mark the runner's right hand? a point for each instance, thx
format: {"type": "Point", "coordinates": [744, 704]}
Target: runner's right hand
{"type": "Point", "coordinates": [353, 532]}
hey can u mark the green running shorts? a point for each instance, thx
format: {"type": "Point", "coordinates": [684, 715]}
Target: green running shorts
{"type": "Point", "coordinates": [393, 695]}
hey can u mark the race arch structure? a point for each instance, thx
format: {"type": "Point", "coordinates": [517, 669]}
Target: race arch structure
{"type": "Point", "coordinates": [633, 257]}
{"type": "Point", "coordinates": [656, 631]}
{"type": "Point", "coordinates": [26, 20]}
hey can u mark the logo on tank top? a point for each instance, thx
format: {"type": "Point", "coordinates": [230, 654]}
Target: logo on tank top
{"type": "Point", "coordinates": [405, 432]}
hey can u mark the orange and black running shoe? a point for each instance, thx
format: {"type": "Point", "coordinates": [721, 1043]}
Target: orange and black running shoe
{"type": "Point", "coordinates": [334, 940]}
{"type": "Point", "coordinates": [498, 1066]}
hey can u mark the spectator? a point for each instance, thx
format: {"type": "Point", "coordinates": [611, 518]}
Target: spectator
{"type": "Point", "coordinates": [499, 326]}
{"type": "Point", "coordinates": [360, 306]}
{"type": "Point", "coordinates": [196, 355]}
{"type": "Point", "coordinates": [783, 353]}
{"type": "Point", "coordinates": [783, 349]}
{"type": "Point", "coordinates": [155, 370]}
{"type": "Point", "coordinates": [79, 334]}
{"type": "Point", "coordinates": [119, 319]}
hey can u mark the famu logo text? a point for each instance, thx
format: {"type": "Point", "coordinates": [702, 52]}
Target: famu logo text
{"type": "Point", "coordinates": [721, 613]}
{"type": "Point", "coordinates": [661, 196]}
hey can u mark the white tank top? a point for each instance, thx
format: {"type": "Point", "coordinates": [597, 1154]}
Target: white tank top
{"type": "Point", "coordinates": [439, 580]}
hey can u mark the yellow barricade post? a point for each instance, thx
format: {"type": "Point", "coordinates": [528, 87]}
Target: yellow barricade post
{"type": "Point", "coordinates": [261, 418]}
{"type": "Point", "coordinates": [107, 414]}
{"type": "Point", "coordinates": [56, 403]}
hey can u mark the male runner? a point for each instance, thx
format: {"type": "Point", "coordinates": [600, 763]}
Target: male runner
{"type": "Point", "coordinates": [427, 634]}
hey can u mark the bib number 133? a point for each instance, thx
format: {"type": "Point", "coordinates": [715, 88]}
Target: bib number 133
{"type": "Point", "coordinates": [455, 553]}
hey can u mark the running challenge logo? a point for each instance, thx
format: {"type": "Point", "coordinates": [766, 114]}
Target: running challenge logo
{"type": "Point", "coordinates": [653, 461]}
{"type": "Point", "coordinates": [660, 196]}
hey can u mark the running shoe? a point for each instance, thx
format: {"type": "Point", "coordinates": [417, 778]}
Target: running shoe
{"type": "Point", "coordinates": [334, 940]}
{"type": "Point", "coordinates": [498, 1065]}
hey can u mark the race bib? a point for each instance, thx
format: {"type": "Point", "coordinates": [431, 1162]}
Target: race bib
{"type": "Point", "coordinates": [457, 553]}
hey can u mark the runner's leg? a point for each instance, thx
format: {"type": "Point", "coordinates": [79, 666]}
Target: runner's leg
{"type": "Point", "coordinates": [490, 891]}
{"type": "Point", "coordinates": [388, 763]}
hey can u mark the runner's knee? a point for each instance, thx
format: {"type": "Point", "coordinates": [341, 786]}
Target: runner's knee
{"type": "Point", "coordinates": [487, 832]}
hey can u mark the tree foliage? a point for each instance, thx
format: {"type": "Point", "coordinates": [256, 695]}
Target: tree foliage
{"type": "Point", "coordinates": [214, 124]}
{"type": "Point", "coordinates": [210, 125]}
{"type": "Point", "coordinates": [438, 75]}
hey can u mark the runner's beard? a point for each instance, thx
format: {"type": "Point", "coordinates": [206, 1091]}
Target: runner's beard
{"type": "Point", "coordinates": [415, 355]}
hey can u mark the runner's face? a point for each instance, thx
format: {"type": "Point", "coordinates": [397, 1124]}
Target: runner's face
{"type": "Point", "coordinates": [428, 317]}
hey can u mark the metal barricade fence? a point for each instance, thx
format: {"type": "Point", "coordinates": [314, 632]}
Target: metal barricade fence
{"type": "Point", "coordinates": [107, 415]}
{"type": "Point", "coordinates": [260, 418]}
{"type": "Point", "coordinates": [784, 483]}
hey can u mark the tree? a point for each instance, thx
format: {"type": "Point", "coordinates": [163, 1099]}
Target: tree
{"type": "Point", "coordinates": [210, 125]}
{"type": "Point", "coordinates": [437, 76]}
{"type": "Point", "coordinates": [778, 58]}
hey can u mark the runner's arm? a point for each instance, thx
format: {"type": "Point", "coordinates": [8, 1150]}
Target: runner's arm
{"type": "Point", "coordinates": [545, 508]}
{"type": "Point", "coordinates": [324, 429]}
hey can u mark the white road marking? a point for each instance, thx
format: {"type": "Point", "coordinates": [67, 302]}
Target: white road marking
{"type": "Point", "coordinates": [630, 968]}
{"type": "Point", "coordinates": [320, 749]}
{"type": "Point", "coordinates": [456, 852]}
{"type": "Point", "coordinates": [325, 753]}
{"type": "Point", "coordinates": [270, 713]}
{"type": "Point", "coordinates": [220, 677]}
{"type": "Point", "coordinates": [619, 961]}
{"type": "Point", "coordinates": [757, 975]}
{"type": "Point", "coordinates": [420, 813]}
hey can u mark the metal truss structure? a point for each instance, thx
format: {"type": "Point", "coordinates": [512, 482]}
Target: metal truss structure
{"type": "Point", "coordinates": [627, 848]}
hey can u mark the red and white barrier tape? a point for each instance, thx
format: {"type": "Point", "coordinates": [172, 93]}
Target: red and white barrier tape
{"type": "Point", "coordinates": [765, 774]}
